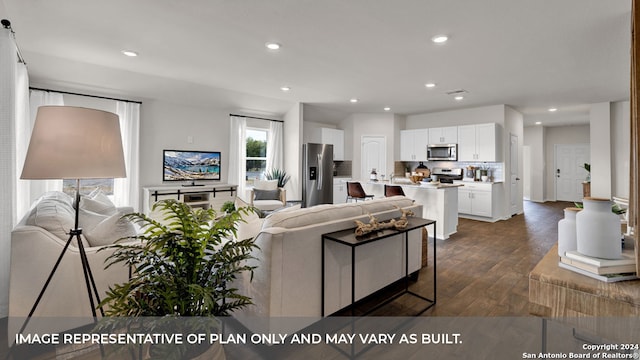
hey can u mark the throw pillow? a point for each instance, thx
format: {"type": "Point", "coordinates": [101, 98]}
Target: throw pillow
{"type": "Point", "coordinates": [54, 214]}
{"type": "Point", "coordinates": [98, 202]}
{"type": "Point", "coordinates": [266, 184]}
{"type": "Point", "coordinates": [266, 194]}
{"type": "Point", "coordinates": [109, 230]}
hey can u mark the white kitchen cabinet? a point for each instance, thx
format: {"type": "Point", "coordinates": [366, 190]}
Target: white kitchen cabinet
{"type": "Point", "coordinates": [478, 201]}
{"type": "Point", "coordinates": [480, 142]}
{"type": "Point", "coordinates": [334, 137]}
{"type": "Point", "coordinates": [443, 135]}
{"type": "Point", "coordinates": [339, 190]}
{"type": "Point", "coordinates": [413, 144]}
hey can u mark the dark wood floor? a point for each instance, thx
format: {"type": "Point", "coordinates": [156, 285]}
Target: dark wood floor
{"type": "Point", "coordinates": [482, 270]}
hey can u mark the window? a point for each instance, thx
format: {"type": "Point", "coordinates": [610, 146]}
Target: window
{"type": "Point", "coordinates": [256, 158]}
{"type": "Point", "coordinates": [87, 186]}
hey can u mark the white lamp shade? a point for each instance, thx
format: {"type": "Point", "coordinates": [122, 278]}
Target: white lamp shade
{"type": "Point", "coordinates": [74, 143]}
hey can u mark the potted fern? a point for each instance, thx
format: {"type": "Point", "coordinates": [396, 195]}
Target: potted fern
{"type": "Point", "coordinates": [182, 268]}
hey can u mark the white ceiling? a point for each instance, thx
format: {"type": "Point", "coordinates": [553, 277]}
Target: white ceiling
{"type": "Point", "coordinates": [529, 54]}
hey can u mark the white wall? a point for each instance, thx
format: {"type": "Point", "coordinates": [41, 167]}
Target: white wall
{"type": "Point", "coordinates": [600, 124]}
{"type": "Point", "coordinates": [566, 135]}
{"type": "Point", "coordinates": [165, 125]}
{"type": "Point", "coordinates": [534, 139]}
{"type": "Point", "coordinates": [358, 125]}
{"type": "Point", "coordinates": [293, 134]}
{"type": "Point", "coordinates": [620, 136]}
{"type": "Point", "coordinates": [479, 115]}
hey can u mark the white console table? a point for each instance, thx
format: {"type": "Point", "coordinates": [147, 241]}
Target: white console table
{"type": "Point", "coordinates": [210, 196]}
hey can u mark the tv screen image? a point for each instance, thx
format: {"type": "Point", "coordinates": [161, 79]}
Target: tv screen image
{"type": "Point", "coordinates": [181, 165]}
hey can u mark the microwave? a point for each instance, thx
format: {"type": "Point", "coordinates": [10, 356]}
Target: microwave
{"type": "Point", "coordinates": [448, 152]}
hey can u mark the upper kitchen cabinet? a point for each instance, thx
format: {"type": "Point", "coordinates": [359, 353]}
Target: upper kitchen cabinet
{"type": "Point", "coordinates": [480, 142]}
{"type": "Point", "coordinates": [443, 135]}
{"type": "Point", "coordinates": [334, 137]}
{"type": "Point", "coordinates": [413, 145]}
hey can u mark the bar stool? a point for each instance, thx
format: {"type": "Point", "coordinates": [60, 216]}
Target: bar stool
{"type": "Point", "coordinates": [393, 190]}
{"type": "Point", "coordinates": [355, 191]}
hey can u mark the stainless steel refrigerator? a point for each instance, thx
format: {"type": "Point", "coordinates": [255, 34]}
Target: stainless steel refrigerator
{"type": "Point", "coordinates": [317, 174]}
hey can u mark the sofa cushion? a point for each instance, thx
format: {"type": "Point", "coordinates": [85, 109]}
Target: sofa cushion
{"type": "Point", "coordinates": [313, 215]}
{"type": "Point", "coordinates": [384, 204]}
{"type": "Point", "coordinates": [266, 194]}
{"type": "Point", "coordinates": [111, 228]}
{"type": "Point", "coordinates": [53, 212]}
{"type": "Point", "coordinates": [266, 184]}
{"type": "Point", "coordinates": [98, 202]}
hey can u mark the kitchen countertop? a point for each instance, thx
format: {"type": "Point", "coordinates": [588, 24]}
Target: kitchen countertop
{"type": "Point", "coordinates": [416, 186]}
{"type": "Point", "coordinates": [479, 182]}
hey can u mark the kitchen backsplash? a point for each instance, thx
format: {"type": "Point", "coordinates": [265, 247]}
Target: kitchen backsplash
{"type": "Point", "coordinates": [496, 170]}
{"type": "Point", "coordinates": [342, 168]}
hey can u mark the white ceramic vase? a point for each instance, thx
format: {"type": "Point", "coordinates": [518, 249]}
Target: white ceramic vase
{"type": "Point", "coordinates": [567, 231]}
{"type": "Point", "coordinates": [598, 231]}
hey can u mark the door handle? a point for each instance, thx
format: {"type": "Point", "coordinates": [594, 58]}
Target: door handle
{"type": "Point", "coordinates": [320, 173]}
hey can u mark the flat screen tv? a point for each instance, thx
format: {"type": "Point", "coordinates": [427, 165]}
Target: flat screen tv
{"type": "Point", "coordinates": [184, 165]}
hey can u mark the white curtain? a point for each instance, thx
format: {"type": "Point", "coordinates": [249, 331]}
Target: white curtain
{"type": "Point", "coordinates": [14, 83]}
{"type": "Point", "coordinates": [126, 190]}
{"type": "Point", "coordinates": [237, 154]}
{"type": "Point", "coordinates": [29, 190]}
{"type": "Point", "coordinates": [274, 146]}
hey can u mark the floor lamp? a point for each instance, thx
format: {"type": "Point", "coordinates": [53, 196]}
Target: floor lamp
{"type": "Point", "coordinates": [74, 143]}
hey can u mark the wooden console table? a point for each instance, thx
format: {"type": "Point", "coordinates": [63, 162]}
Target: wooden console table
{"type": "Point", "coordinates": [573, 298]}
{"type": "Point", "coordinates": [557, 292]}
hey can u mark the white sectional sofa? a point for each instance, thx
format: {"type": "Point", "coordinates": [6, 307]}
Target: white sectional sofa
{"type": "Point", "coordinates": [287, 282]}
{"type": "Point", "coordinates": [37, 241]}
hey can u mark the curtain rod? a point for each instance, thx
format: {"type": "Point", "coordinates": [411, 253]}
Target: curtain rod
{"type": "Point", "coordinates": [87, 95]}
{"type": "Point", "coordinates": [257, 118]}
{"type": "Point", "coordinates": [7, 25]}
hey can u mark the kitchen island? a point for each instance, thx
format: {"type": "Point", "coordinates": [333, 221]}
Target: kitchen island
{"type": "Point", "coordinates": [439, 203]}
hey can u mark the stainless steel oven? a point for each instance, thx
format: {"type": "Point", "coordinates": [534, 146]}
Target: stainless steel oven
{"type": "Point", "coordinates": [448, 152]}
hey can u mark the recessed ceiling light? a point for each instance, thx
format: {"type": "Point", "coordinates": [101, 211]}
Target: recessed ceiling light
{"type": "Point", "coordinates": [129, 53]}
{"type": "Point", "coordinates": [272, 46]}
{"type": "Point", "coordinates": [430, 85]}
{"type": "Point", "coordinates": [553, 109]}
{"type": "Point", "coordinates": [538, 122]}
{"type": "Point", "coordinates": [459, 97]}
{"type": "Point", "coordinates": [387, 109]}
{"type": "Point", "coordinates": [285, 88]}
{"type": "Point", "coordinates": [354, 100]}
{"type": "Point", "coordinates": [439, 39]}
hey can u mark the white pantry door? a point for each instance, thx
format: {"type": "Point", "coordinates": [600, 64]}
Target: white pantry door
{"type": "Point", "coordinates": [569, 173]}
{"type": "Point", "coordinates": [374, 156]}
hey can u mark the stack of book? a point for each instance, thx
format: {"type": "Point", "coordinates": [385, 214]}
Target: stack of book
{"type": "Point", "coordinates": [602, 269]}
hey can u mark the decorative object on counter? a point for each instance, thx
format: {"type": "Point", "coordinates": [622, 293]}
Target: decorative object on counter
{"type": "Point", "coordinates": [374, 175]}
{"type": "Point", "coordinates": [598, 229]}
{"type": "Point", "coordinates": [374, 225]}
{"type": "Point", "coordinates": [470, 173]}
{"type": "Point", "coordinates": [423, 170]}
{"type": "Point", "coordinates": [416, 178]}
{"type": "Point", "coordinates": [567, 231]}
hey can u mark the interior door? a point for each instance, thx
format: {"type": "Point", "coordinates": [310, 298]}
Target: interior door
{"type": "Point", "coordinates": [569, 173]}
{"type": "Point", "coordinates": [374, 156]}
{"type": "Point", "coordinates": [515, 194]}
